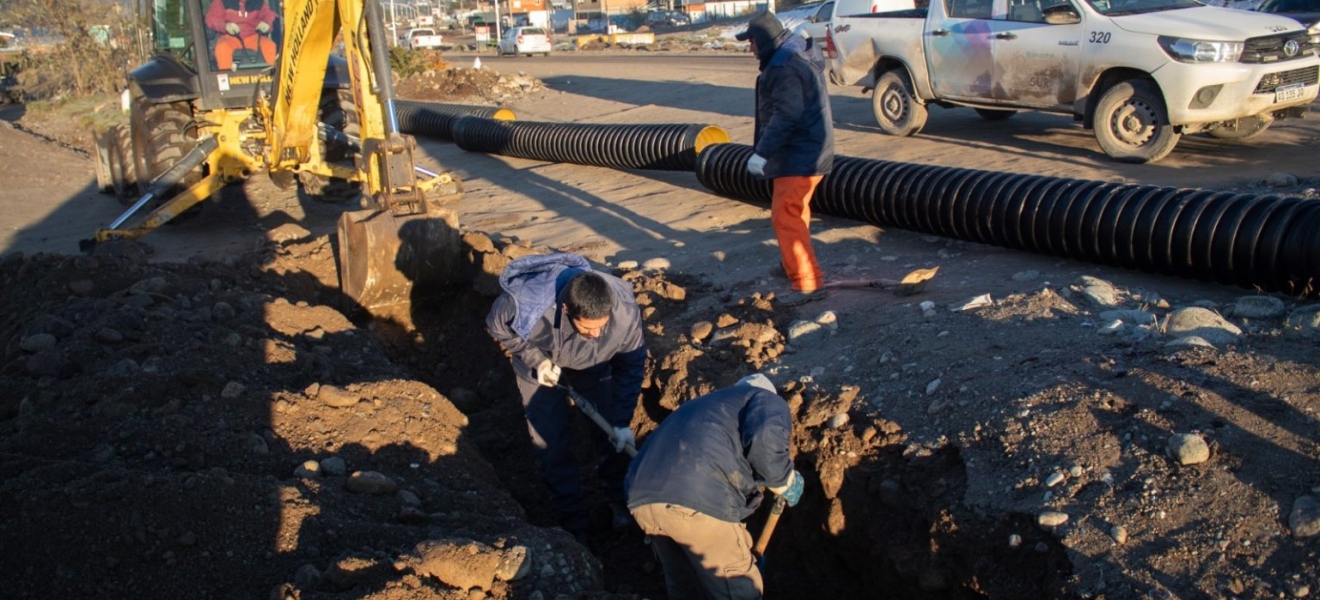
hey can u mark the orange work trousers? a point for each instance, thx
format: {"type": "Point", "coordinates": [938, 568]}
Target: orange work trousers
{"type": "Point", "coordinates": [228, 44]}
{"type": "Point", "coordinates": [790, 215]}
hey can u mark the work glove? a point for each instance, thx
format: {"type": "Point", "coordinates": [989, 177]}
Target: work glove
{"type": "Point", "coordinates": [623, 437]}
{"type": "Point", "coordinates": [756, 165]}
{"type": "Point", "coordinates": [232, 28]}
{"type": "Point", "coordinates": [791, 492]}
{"type": "Point", "coordinates": [547, 373]}
{"type": "Point", "coordinates": [263, 27]}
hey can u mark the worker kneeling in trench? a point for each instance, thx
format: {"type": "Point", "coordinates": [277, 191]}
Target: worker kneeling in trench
{"type": "Point", "coordinates": [700, 474]}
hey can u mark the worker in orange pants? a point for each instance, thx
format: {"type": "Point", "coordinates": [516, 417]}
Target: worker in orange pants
{"type": "Point", "coordinates": [790, 215]}
{"type": "Point", "coordinates": [794, 146]}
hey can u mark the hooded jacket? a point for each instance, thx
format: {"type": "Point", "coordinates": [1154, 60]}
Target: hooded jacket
{"type": "Point", "coordinates": [794, 125]}
{"type": "Point", "coordinates": [528, 320]}
{"type": "Point", "coordinates": [714, 454]}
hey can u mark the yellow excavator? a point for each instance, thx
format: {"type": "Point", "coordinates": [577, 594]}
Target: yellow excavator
{"type": "Point", "coordinates": [236, 87]}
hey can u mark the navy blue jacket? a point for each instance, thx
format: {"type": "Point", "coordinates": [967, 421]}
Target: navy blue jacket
{"type": "Point", "coordinates": [794, 125]}
{"type": "Point", "coordinates": [715, 453]}
{"type": "Point", "coordinates": [529, 321]}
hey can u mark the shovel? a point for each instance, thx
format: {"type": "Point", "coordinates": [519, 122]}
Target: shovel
{"type": "Point", "coordinates": [589, 409]}
{"type": "Point", "coordinates": [763, 541]}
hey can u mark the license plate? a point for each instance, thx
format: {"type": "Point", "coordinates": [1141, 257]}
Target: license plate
{"type": "Point", "coordinates": [1293, 91]}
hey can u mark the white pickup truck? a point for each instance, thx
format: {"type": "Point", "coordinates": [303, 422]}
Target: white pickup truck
{"type": "Point", "coordinates": [424, 38]}
{"type": "Point", "coordinates": [1141, 73]}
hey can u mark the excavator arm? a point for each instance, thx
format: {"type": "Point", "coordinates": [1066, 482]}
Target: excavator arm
{"type": "Point", "coordinates": [386, 168]}
{"type": "Point", "coordinates": [404, 243]}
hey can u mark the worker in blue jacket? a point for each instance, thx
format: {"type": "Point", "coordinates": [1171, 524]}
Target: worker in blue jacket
{"type": "Point", "coordinates": [794, 146]}
{"type": "Point", "coordinates": [700, 474]}
{"type": "Point", "coordinates": [562, 322]}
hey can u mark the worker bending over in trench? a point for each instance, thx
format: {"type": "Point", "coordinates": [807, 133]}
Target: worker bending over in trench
{"type": "Point", "coordinates": [700, 474]}
{"type": "Point", "coordinates": [562, 322]}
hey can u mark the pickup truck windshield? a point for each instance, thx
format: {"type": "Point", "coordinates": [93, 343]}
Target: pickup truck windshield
{"type": "Point", "coordinates": [1118, 8]}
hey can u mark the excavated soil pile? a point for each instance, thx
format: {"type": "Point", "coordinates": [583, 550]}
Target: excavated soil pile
{"type": "Point", "coordinates": [218, 430]}
{"type": "Point", "coordinates": [197, 430]}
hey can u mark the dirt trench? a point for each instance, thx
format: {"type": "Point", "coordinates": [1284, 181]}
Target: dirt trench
{"type": "Point", "coordinates": [101, 451]}
{"type": "Point", "coordinates": [879, 514]}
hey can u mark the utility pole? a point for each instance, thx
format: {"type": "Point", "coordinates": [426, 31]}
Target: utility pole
{"type": "Point", "coordinates": [394, 27]}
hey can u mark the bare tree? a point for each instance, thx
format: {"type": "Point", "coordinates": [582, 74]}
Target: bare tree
{"type": "Point", "coordinates": [76, 47]}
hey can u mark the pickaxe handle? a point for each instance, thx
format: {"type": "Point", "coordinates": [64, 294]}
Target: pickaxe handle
{"type": "Point", "coordinates": [589, 409]}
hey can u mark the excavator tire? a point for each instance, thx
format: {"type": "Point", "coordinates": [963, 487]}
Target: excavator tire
{"type": "Point", "coordinates": [339, 111]}
{"type": "Point", "coordinates": [116, 168]}
{"type": "Point", "coordinates": [162, 134]}
{"type": "Point", "coordinates": [123, 169]}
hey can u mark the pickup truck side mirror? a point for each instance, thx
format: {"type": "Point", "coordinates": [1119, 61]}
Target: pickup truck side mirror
{"type": "Point", "coordinates": [1061, 14]}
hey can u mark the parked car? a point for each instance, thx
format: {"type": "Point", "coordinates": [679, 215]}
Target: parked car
{"type": "Point", "coordinates": [810, 20]}
{"type": "Point", "coordinates": [1306, 12]}
{"type": "Point", "coordinates": [424, 38]}
{"type": "Point", "coordinates": [1140, 73]}
{"type": "Point", "coordinates": [525, 40]}
{"type": "Point", "coordinates": [666, 18]}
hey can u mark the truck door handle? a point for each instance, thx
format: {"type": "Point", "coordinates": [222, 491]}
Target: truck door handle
{"type": "Point", "coordinates": [940, 32]}
{"type": "Point", "coordinates": [1006, 35]}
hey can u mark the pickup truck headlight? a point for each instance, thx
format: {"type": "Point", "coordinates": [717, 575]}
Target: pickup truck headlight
{"type": "Point", "coordinates": [1186, 50]}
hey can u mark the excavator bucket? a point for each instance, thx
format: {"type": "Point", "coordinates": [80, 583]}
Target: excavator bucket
{"type": "Point", "coordinates": [387, 261]}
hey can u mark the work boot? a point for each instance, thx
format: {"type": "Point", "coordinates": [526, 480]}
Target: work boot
{"type": "Point", "coordinates": [779, 272]}
{"type": "Point", "coordinates": [621, 519]}
{"type": "Point", "coordinates": [799, 297]}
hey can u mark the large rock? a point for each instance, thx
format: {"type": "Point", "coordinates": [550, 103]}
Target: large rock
{"type": "Point", "coordinates": [1306, 320]}
{"type": "Point", "coordinates": [1305, 517]}
{"type": "Point", "coordinates": [467, 564]}
{"type": "Point", "coordinates": [1203, 323]}
{"type": "Point", "coordinates": [1188, 449]}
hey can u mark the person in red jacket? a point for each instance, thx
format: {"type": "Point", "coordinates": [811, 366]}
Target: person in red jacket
{"type": "Point", "coordinates": [243, 25]}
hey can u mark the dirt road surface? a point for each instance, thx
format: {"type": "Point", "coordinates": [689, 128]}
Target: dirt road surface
{"type": "Point", "coordinates": [1056, 442]}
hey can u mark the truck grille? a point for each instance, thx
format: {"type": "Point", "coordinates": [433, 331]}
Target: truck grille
{"type": "Point", "coordinates": [1277, 48]}
{"type": "Point", "coordinates": [1306, 76]}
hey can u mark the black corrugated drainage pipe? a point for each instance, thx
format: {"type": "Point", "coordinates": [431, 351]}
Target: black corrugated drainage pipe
{"type": "Point", "coordinates": [1266, 242]}
{"type": "Point", "coordinates": [436, 120]}
{"type": "Point", "coordinates": [663, 147]}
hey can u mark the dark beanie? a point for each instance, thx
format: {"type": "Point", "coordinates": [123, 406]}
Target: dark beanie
{"type": "Point", "coordinates": [763, 28]}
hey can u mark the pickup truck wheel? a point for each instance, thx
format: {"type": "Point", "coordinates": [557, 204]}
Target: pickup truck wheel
{"type": "Point", "coordinates": [896, 108]}
{"type": "Point", "coordinates": [1132, 124]}
{"type": "Point", "coordinates": [991, 114]}
{"type": "Point", "coordinates": [1243, 129]}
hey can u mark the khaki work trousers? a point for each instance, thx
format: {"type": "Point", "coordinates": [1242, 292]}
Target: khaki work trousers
{"type": "Point", "coordinates": [704, 558]}
{"type": "Point", "coordinates": [790, 215]}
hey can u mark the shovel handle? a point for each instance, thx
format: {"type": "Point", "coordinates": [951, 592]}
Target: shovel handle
{"type": "Point", "coordinates": [771, 521]}
{"type": "Point", "coordinates": [589, 409]}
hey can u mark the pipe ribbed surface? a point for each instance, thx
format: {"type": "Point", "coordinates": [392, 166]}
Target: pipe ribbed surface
{"type": "Point", "coordinates": [1266, 242]}
{"type": "Point", "coordinates": [663, 147]}
{"type": "Point", "coordinates": [436, 120]}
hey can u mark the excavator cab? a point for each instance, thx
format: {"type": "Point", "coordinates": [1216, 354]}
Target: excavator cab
{"type": "Point", "coordinates": [240, 86]}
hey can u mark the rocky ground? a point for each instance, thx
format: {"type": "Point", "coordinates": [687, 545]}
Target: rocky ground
{"type": "Point", "coordinates": [222, 429]}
